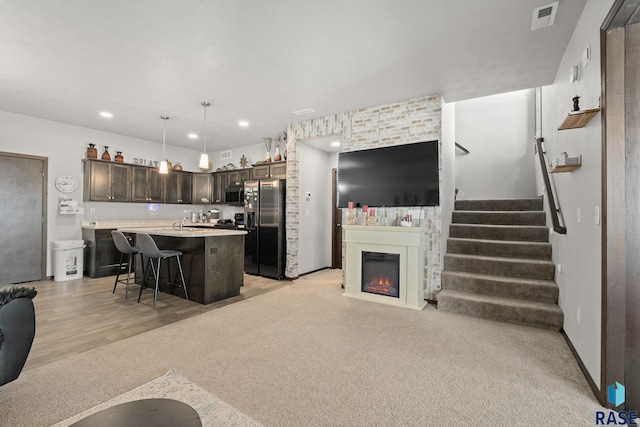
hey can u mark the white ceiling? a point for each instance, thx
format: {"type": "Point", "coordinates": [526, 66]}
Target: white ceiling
{"type": "Point", "coordinates": [67, 60]}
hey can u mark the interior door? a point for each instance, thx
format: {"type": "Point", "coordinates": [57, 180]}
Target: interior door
{"type": "Point", "coordinates": [621, 220]}
{"type": "Point", "coordinates": [22, 213]}
{"type": "Point", "coordinates": [336, 233]}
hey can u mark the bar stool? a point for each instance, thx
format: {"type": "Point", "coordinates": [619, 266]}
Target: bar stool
{"type": "Point", "coordinates": [150, 250]}
{"type": "Point", "coordinates": [122, 244]}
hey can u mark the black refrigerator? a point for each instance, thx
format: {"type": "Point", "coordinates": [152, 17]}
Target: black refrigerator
{"type": "Point", "coordinates": [264, 213]}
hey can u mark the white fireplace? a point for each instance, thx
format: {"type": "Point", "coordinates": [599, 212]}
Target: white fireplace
{"type": "Point", "coordinates": [401, 246]}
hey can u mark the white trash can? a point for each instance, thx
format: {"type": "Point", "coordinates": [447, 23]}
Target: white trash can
{"type": "Point", "coordinates": [68, 256]}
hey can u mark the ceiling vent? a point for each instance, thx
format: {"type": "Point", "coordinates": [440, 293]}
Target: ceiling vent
{"type": "Point", "coordinates": [544, 16]}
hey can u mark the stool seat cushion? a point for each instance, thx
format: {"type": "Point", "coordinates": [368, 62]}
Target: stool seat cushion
{"type": "Point", "coordinates": [169, 253]}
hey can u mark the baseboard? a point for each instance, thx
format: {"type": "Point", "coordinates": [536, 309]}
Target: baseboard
{"type": "Point", "coordinates": [583, 368]}
{"type": "Point", "coordinates": [314, 271]}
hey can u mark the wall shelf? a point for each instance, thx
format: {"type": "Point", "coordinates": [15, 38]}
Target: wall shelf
{"type": "Point", "coordinates": [565, 168]}
{"type": "Point", "coordinates": [578, 119]}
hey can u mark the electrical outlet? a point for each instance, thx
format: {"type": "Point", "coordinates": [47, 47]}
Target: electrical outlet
{"type": "Point", "coordinates": [92, 211]}
{"type": "Point", "coordinates": [597, 216]}
{"type": "Point", "coordinates": [559, 268]}
{"type": "Point", "coordinates": [306, 212]}
{"type": "Point", "coordinates": [578, 314]}
{"type": "Point", "coordinates": [578, 215]}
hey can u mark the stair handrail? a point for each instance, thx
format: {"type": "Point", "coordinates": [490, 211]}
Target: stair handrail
{"type": "Point", "coordinates": [555, 211]}
{"type": "Point", "coordinates": [464, 150]}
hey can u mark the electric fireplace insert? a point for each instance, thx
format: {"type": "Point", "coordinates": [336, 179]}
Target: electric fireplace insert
{"type": "Point", "coordinates": [381, 273]}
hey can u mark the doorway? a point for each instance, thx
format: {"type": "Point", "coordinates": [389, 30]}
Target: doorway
{"type": "Point", "coordinates": [23, 213]}
{"type": "Point", "coordinates": [336, 223]}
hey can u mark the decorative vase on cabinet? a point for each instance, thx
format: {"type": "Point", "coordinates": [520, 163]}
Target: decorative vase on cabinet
{"type": "Point", "coordinates": [92, 152]}
{"type": "Point", "coordinates": [119, 157]}
{"type": "Point", "coordinates": [106, 155]}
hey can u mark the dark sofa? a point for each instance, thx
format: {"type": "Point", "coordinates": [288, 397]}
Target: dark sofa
{"type": "Point", "coordinates": [17, 329]}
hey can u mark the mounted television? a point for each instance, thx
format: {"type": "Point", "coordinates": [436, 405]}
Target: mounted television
{"type": "Point", "coordinates": [402, 175]}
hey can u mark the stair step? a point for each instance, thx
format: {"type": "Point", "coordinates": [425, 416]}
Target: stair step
{"type": "Point", "coordinates": [487, 284]}
{"type": "Point", "coordinates": [511, 310]}
{"type": "Point", "coordinates": [506, 248]}
{"type": "Point", "coordinates": [500, 266]}
{"type": "Point", "coordinates": [534, 204]}
{"type": "Point", "coordinates": [500, 232]}
{"type": "Point", "coordinates": [500, 217]}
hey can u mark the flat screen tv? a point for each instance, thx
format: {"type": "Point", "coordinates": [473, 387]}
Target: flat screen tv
{"type": "Point", "coordinates": [401, 175]}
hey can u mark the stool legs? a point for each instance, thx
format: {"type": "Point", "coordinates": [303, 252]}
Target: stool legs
{"type": "Point", "coordinates": [156, 274]}
{"type": "Point", "coordinates": [129, 267]}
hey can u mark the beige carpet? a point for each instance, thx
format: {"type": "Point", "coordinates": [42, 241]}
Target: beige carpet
{"type": "Point", "coordinates": [307, 356]}
{"type": "Point", "coordinates": [212, 411]}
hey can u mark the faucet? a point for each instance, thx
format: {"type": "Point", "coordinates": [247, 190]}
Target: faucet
{"type": "Point", "coordinates": [182, 222]}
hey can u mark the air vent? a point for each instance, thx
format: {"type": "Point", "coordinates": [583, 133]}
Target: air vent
{"type": "Point", "coordinates": [225, 155]}
{"type": "Point", "coordinates": [304, 111]}
{"type": "Point", "coordinates": [544, 16]}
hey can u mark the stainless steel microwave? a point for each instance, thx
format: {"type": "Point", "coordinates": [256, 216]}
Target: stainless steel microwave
{"type": "Point", "coordinates": [234, 195]}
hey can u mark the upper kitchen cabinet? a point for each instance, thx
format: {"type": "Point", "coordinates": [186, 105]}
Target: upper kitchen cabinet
{"type": "Point", "coordinates": [219, 185]}
{"type": "Point", "coordinates": [146, 185]}
{"type": "Point", "coordinates": [235, 178]}
{"type": "Point", "coordinates": [106, 181]}
{"type": "Point", "coordinates": [271, 170]}
{"type": "Point", "coordinates": [202, 188]}
{"type": "Point", "coordinates": [178, 187]}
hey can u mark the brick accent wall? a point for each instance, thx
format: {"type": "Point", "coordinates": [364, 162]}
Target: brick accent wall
{"type": "Point", "coordinates": [398, 123]}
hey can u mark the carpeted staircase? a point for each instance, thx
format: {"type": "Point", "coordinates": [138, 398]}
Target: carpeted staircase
{"type": "Point", "coordinates": [498, 263]}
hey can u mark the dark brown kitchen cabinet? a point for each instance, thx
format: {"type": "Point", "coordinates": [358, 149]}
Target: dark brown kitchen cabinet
{"type": "Point", "coordinates": [101, 257]}
{"type": "Point", "coordinates": [270, 170]}
{"type": "Point", "coordinates": [178, 187]}
{"type": "Point", "coordinates": [146, 185]}
{"type": "Point", "coordinates": [106, 181]}
{"type": "Point", "coordinates": [219, 185]}
{"type": "Point", "coordinates": [202, 188]}
{"type": "Point", "coordinates": [237, 177]}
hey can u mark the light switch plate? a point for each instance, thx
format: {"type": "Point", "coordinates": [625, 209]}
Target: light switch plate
{"type": "Point", "coordinates": [586, 55]}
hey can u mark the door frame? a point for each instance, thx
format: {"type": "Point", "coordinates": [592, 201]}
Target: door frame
{"type": "Point", "coordinates": [616, 204]}
{"type": "Point", "coordinates": [45, 180]}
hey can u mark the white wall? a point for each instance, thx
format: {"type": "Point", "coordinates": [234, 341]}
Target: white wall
{"type": "Point", "coordinates": [315, 223]}
{"type": "Point", "coordinates": [65, 145]}
{"type": "Point", "coordinates": [448, 172]}
{"type": "Point", "coordinates": [579, 251]}
{"type": "Point", "coordinates": [498, 131]}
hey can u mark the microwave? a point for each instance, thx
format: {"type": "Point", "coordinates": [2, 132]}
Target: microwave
{"type": "Point", "coordinates": [234, 195]}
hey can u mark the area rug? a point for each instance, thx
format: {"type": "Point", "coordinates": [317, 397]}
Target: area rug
{"type": "Point", "coordinates": [172, 385]}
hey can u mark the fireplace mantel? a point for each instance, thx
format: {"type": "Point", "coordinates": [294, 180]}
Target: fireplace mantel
{"type": "Point", "coordinates": [408, 242]}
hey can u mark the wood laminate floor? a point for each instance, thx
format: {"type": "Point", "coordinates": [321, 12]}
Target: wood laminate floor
{"type": "Point", "coordinates": [78, 315]}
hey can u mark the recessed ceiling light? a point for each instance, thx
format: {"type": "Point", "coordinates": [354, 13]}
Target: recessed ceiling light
{"type": "Point", "coordinates": [243, 123]}
{"type": "Point", "coordinates": [335, 144]}
{"type": "Point", "coordinates": [304, 111]}
{"type": "Point", "coordinates": [106, 114]}
{"type": "Point", "coordinates": [193, 135]}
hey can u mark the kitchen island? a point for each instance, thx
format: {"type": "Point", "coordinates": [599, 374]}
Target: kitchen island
{"type": "Point", "coordinates": [213, 260]}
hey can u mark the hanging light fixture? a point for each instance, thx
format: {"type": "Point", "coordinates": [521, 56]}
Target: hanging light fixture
{"type": "Point", "coordinates": [204, 157]}
{"type": "Point", "coordinates": [164, 164]}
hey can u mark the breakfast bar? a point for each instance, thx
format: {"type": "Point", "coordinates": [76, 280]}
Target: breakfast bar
{"type": "Point", "coordinates": [213, 260]}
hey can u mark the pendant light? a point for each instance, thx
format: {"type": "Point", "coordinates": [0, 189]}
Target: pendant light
{"type": "Point", "coordinates": [164, 164]}
{"type": "Point", "coordinates": [204, 157]}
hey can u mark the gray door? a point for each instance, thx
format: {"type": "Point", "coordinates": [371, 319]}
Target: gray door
{"type": "Point", "coordinates": [21, 218]}
{"type": "Point", "coordinates": [621, 235]}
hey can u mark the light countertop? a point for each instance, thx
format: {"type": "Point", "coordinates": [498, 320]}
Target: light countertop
{"type": "Point", "coordinates": [140, 223]}
{"type": "Point", "coordinates": [185, 232]}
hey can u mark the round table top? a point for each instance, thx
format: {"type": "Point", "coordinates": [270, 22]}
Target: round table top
{"type": "Point", "coordinates": [145, 412]}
